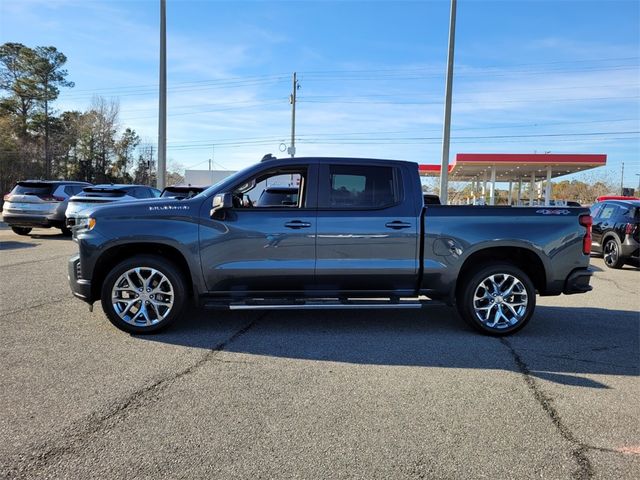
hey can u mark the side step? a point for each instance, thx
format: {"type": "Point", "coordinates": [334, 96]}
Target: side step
{"type": "Point", "coordinates": [270, 304]}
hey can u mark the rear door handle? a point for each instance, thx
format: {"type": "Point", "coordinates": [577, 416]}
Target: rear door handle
{"type": "Point", "coordinates": [397, 225]}
{"type": "Point", "coordinates": [295, 224]}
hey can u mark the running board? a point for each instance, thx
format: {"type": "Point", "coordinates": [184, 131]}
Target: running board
{"type": "Point", "coordinates": [317, 304]}
{"type": "Point", "coordinates": [324, 306]}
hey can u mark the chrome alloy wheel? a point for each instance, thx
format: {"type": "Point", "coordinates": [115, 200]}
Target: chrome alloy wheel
{"type": "Point", "coordinates": [500, 301]}
{"type": "Point", "coordinates": [611, 253]}
{"type": "Point", "coordinates": [142, 296]}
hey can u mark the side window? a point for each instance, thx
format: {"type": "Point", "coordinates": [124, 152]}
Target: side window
{"type": "Point", "coordinates": [155, 193]}
{"type": "Point", "coordinates": [360, 186]}
{"type": "Point", "coordinates": [607, 212]}
{"type": "Point", "coordinates": [595, 210]}
{"type": "Point", "coordinates": [70, 190]}
{"type": "Point", "coordinates": [280, 188]}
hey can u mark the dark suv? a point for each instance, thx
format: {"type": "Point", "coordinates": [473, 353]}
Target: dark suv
{"type": "Point", "coordinates": [39, 203]}
{"type": "Point", "coordinates": [616, 228]}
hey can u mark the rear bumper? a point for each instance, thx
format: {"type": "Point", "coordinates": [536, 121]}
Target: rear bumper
{"type": "Point", "coordinates": [578, 281]}
{"type": "Point", "coordinates": [21, 220]}
{"type": "Point", "coordinates": [630, 248]}
{"type": "Point", "coordinates": [80, 287]}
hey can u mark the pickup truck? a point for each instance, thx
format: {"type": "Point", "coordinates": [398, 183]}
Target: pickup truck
{"type": "Point", "coordinates": [358, 236]}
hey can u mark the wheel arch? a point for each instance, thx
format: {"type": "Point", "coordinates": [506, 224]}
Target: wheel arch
{"type": "Point", "coordinates": [523, 258]}
{"type": "Point", "coordinates": [116, 254]}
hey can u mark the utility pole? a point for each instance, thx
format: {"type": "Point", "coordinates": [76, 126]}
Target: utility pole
{"type": "Point", "coordinates": [637, 192]}
{"type": "Point", "coordinates": [622, 180]}
{"type": "Point", "coordinates": [292, 99]}
{"type": "Point", "coordinates": [161, 172]}
{"type": "Point", "coordinates": [444, 166]}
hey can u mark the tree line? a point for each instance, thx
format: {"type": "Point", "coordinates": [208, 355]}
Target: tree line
{"type": "Point", "coordinates": [38, 142]}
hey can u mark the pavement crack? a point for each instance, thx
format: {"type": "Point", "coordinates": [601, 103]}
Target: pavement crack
{"type": "Point", "coordinates": [75, 437]}
{"type": "Point", "coordinates": [27, 262]}
{"type": "Point", "coordinates": [585, 469]}
{"type": "Point", "coordinates": [37, 305]}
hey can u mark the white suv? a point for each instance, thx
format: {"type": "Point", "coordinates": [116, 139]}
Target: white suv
{"type": "Point", "coordinates": [39, 203]}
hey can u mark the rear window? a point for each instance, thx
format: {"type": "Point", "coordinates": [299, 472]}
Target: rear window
{"type": "Point", "coordinates": [180, 192]}
{"type": "Point", "coordinates": [33, 188]}
{"type": "Point", "coordinates": [103, 192]}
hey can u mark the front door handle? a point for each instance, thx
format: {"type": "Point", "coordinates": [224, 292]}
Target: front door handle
{"type": "Point", "coordinates": [397, 225]}
{"type": "Point", "coordinates": [295, 224]}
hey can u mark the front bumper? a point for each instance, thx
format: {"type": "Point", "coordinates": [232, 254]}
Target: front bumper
{"type": "Point", "coordinates": [80, 287]}
{"type": "Point", "coordinates": [578, 281]}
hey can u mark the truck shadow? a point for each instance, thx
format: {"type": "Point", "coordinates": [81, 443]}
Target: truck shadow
{"type": "Point", "coordinates": [560, 345]}
{"type": "Point", "coordinates": [11, 245]}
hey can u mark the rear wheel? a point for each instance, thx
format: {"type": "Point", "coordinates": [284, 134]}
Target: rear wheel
{"type": "Point", "coordinates": [497, 299]}
{"type": "Point", "coordinates": [612, 253]}
{"type": "Point", "coordinates": [143, 294]}
{"type": "Point", "coordinates": [21, 230]}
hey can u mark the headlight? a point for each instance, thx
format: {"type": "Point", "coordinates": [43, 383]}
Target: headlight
{"type": "Point", "coordinates": [85, 223]}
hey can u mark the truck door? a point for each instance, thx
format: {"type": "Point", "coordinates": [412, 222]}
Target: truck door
{"type": "Point", "coordinates": [368, 229]}
{"type": "Point", "coordinates": [262, 249]}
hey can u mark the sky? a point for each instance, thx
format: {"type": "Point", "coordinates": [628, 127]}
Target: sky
{"type": "Point", "coordinates": [529, 76]}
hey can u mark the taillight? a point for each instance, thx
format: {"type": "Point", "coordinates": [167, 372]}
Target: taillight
{"type": "Point", "coordinates": [628, 229]}
{"type": "Point", "coordinates": [586, 221]}
{"type": "Point", "coordinates": [51, 198]}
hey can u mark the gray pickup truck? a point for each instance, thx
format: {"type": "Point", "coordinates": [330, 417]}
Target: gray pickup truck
{"type": "Point", "coordinates": [356, 235]}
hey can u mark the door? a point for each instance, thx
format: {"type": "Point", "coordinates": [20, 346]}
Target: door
{"type": "Point", "coordinates": [367, 229]}
{"type": "Point", "coordinates": [262, 249]}
{"type": "Point", "coordinates": [602, 223]}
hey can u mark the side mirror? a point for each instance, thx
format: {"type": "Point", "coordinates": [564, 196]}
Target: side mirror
{"type": "Point", "coordinates": [221, 201]}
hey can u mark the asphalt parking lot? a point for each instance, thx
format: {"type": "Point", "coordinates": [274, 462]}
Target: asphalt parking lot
{"type": "Point", "coordinates": [344, 394]}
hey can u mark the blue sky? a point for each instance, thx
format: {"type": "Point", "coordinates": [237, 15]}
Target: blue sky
{"type": "Point", "coordinates": [530, 76]}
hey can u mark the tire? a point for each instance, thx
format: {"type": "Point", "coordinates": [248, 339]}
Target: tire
{"type": "Point", "coordinates": [65, 231]}
{"type": "Point", "coordinates": [612, 253]}
{"type": "Point", "coordinates": [479, 299]}
{"type": "Point", "coordinates": [21, 230]}
{"type": "Point", "coordinates": [164, 295]}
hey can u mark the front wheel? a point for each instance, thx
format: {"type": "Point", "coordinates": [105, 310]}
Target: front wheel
{"type": "Point", "coordinates": [21, 230]}
{"type": "Point", "coordinates": [497, 299]}
{"type": "Point", "coordinates": [143, 294]}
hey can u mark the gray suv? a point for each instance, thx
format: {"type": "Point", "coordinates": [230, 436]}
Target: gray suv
{"type": "Point", "coordinates": [39, 203]}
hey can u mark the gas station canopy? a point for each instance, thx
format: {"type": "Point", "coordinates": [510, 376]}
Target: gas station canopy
{"type": "Point", "coordinates": [512, 167]}
{"type": "Point", "coordinates": [486, 169]}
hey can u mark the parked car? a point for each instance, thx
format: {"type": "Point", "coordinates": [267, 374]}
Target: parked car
{"type": "Point", "coordinates": [431, 199]}
{"type": "Point", "coordinates": [182, 191]}
{"type": "Point", "coordinates": [39, 203]}
{"type": "Point", "coordinates": [359, 237]}
{"type": "Point", "coordinates": [616, 230]}
{"type": "Point", "coordinates": [278, 197]}
{"type": "Point", "coordinates": [98, 195]}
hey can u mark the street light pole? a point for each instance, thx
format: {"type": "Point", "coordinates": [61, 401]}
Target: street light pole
{"type": "Point", "coordinates": [292, 148]}
{"type": "Point", "coordinates": [444, 166]}
{"type": "Point", "coordinates": [162, 111]}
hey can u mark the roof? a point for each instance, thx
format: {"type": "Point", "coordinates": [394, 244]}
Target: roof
{"type": "Point", "coordinates": [515, 166]}
{"type": "Point", "coordinates": [56, 182]}
{"type": "Point", "coordinates": [347, 160]}
{"type": "Point", "coordinates": [118, 185]}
